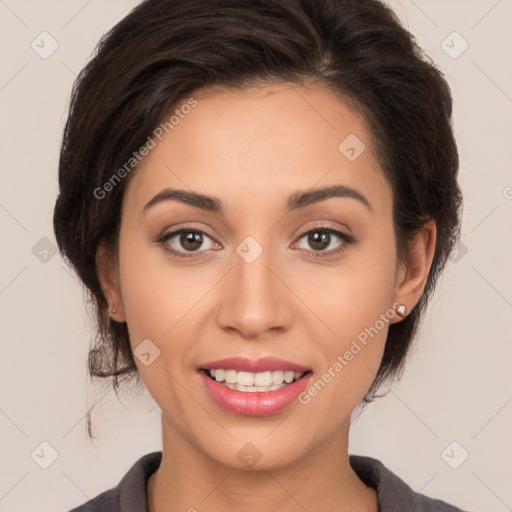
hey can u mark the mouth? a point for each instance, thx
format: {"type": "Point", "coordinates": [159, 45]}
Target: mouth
{"type": "Point", "coordinates": [250, 382]}
{"type": "Point", "coordinates": [260, 387]}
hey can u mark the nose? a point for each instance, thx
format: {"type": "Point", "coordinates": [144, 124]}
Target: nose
{"type": "Point", "coordinates": [254, 298]}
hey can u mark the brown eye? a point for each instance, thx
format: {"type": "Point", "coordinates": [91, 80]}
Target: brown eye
{"type": "Point", "coordinates": [319, 240]}
{"type": "Point", "coordinates": [191, 240]}
{"type": "Point", "coordinates": [186, 242]}
{"type": "Point", "coordinates": [324, 242]}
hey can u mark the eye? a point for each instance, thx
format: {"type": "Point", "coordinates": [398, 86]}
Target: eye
{"type": "Point", "coordinates": [324, 241]}
{"type": "Point", "coordinates": [185, 240]}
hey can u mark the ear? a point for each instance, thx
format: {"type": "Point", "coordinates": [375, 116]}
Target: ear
{"type": "Point", "coordinates": [412, 274]}
{"type": "Point", "coordinates": [108, 275]}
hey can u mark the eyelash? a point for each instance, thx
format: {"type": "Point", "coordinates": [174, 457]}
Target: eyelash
{"type": "Point", "coordinates": [180, 255]}
{"type": "Point", "coordinates": [346, 240]}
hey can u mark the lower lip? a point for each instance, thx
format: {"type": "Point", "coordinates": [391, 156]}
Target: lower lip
{"type": "Point", "coordinates": [256, 403]}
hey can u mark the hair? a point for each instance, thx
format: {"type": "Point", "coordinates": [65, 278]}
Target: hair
{"type": "Point", "coordinates": [164, 50]}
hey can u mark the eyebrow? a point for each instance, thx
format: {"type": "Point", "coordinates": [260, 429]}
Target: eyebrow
{"type": "Point", "coordinates": [295, 201]}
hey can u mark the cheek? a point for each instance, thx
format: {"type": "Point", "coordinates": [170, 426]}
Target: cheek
{"type": "Point", "coordinates": [155, 297]}
{"type": "Point", "coordinates": [163, 304]}
{"type": "Point", "coordinates": [350, 298]}
{"type": "Point", "coordinates": [355, 307]}
{"type": "Point", "coordinates": [349, 359]}
{"type": "Point", "coordinates": [157, 302]}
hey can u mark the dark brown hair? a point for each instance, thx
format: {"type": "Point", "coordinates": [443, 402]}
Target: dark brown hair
{"type": "Point", "coordinates": [164, 50]}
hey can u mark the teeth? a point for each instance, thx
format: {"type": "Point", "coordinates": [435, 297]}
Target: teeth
{"type": "Point", "coordinates": [245, 379]}
{"type": "Point", "coordinates": [277, 377]}
{"type": "Point", "coordinates": [288, 377]}
{"type": "Point", "coordinates": [231, 376]}
{"type": "Point", "coordinates": [263, 379]}
{"type": "Point", "coordinates": [248, 381]}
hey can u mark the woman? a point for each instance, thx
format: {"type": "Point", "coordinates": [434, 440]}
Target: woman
{"type": "Point", "coordinates": [259, 197]}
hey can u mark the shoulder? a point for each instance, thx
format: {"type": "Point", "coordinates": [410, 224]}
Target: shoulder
{"type": "Point", "coordinates": [130, 494]}
{"type": "Point", "coordinates": [393, 493]}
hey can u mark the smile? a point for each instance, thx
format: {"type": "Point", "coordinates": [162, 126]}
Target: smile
{"type": "Point", "coordinates": [254, 382]}
{"type": "Point", "coordinates": [260, 387]}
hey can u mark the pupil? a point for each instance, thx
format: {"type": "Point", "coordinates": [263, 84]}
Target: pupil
{"type": "Point", "coordinates": [191, 240]}
{"type": "Point", "coordinates": [319, 240]}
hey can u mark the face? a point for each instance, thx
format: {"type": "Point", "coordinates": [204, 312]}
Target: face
{"type": "Point", "coordinates": [250, 276]}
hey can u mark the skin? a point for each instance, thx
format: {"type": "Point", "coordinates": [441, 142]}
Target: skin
{"type": "Point", "coordinates": [252, 150]}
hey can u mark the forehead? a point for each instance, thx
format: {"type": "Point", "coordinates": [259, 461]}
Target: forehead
{"type": "Point", "coordinates": [261, 144]}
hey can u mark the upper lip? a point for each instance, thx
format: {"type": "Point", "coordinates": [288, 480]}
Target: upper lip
{"type": "Point", "coordinates": [262, 364]}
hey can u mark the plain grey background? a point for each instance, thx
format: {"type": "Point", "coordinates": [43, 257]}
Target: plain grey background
{"type": "Point", "coordinates": [444, 428]}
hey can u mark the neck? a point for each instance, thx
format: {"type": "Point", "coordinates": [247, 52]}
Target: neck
{"type": "Point", "coordinates": [188, 479]}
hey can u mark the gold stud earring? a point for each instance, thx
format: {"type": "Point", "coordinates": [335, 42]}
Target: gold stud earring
{"type": "Point", "coordinates": [401, 310]}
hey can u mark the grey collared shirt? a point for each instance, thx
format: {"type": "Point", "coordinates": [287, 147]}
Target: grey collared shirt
{"type": "Point", "coordinates": [394, 495]}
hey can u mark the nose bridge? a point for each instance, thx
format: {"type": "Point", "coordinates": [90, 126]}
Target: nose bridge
{"type": "Point", "coordinates": [253, 299]}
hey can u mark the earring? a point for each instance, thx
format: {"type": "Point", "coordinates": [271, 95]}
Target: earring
{"type": "Point", "coordinates": [401, 310]}
{"type": "Point", "coordinates": [113, 311]}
